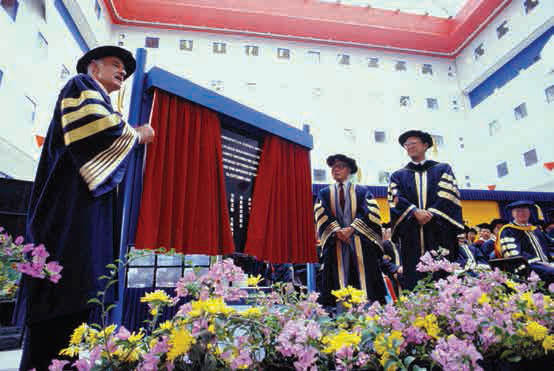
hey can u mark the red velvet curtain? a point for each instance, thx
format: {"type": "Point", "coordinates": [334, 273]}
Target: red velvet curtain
{"type": "Point", "coordinates": [184, 205]}
{"type": "Point", "coordinates": [281, 227]}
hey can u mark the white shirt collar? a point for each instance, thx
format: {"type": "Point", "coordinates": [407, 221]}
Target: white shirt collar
{"type": "Point", "coordinates": [419, 163]}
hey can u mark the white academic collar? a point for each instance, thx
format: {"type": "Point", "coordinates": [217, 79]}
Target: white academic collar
{"type": "Point", "coordinates": [346, 184]}
{"type": "Point", "coordinates": [419, 163]}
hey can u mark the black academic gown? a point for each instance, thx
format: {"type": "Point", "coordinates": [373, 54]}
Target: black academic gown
{"type": "Point", "coordinates": [73, 200]}
{"type": "Point", "coordinates": [431, 186]}
{"type": "Point", "coordinates": [363, 251]}
{"type": "Point", "coordinates": [530, 243]}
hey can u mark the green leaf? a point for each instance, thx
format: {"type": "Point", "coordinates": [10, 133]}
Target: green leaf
{"type": "Point", "coordinates": [408, 361]}
{"type": "Point", "coordinates": [103, 278]}
{"type": "Point", "coordinates": [417, 368]}
{"type": "Point", "coordinates": [94, 301]}
{"type": "Point", "coordinates": [389, 363]}
{"type": "Point", "coordinates": [514, 358]}
{"type": "Point", "coordinates": [111, 266]}
{"type": "Point", "coordinates": [110, 307]}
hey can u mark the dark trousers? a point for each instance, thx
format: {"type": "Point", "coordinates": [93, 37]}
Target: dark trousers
{"type": "Point", "coordinates": [42, 341]}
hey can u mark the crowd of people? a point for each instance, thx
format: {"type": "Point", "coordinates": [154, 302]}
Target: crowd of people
{"type": "Point", "coordinates": [425, 206]}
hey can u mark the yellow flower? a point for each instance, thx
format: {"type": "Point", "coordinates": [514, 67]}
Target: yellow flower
{"type": "Point", "coordinates": [77, 335]}
{"type": "Point", "coordinates": [380, 344]}
{"type": "Point", "coordinates": [349, 295]}
{"type": "Point", "coordinates": [253, 281]}
{"type": "Point", "coordinates": [154, 311]}
{"type": "Point", "coordinates": [180, 342]}
{"type": "Point", "coordinates": [211, 328]}
{"type": "Point", "coordinates": [395, 340]}
{"type": "Point", "coordinates": [484, 299]}
{"type": "Point", "coordinates": [135, 337]}
{"type": "Point", "coordinates": [159, 296]}
{"type": "Point", "coordinates": [528, 298]}
{"type": "Point", "coordinates": [341, 340]}
{"type": "Point", "coordinates": [92, 336]}
{"type": "Point", "coordinates": [511, 284]}
{"type": "Point", "coordinates": [108, 330]}
{"type": "Point", "coordinates": [430, 324]}
{"type": "Point", "coordinates": [536, 331]}
{"type": "Point", "coordinates": [166, 325]}
{"type": "Point", "coordinates": [212, 306]}
{"type": "Point", "coordinates": [517, 315]}
{"type": "Point", "coordinates": [71, 351]}
{"type": "Point", "coordinates": [548, 343]}
{"type": "Point", "coordinates": [252, 312]}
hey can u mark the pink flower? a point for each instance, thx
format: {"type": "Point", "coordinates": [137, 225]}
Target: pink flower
{"type": "Point", "coordinates": [123, 333]}
{"type": "Point", "coordinates": [57, 365]}
{"type": "Point", "coordinates": [19, 240]}
{"type": "Point", "coordinates": [454, 354]}
{"type": "Point", "coordinates": [27, 248]}
{"type": "Point", "coordinates": [82, 364]}
{"type": "Point", "coordinates": [243, 360]}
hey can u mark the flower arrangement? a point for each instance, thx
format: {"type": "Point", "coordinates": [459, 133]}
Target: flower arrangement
{"type": "Point", "coordinates": [459, 322]}
{"type": "Point", "coordinates": [17, 257]}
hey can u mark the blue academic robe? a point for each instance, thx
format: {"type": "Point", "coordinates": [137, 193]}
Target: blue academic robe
{"type": "Point", "coordinates": [530, 243]}
{"type": "Point", "coordinates": [471, 257]}
{"type": "Point", "coordinates": [73, 201]}
{"type": "Point", "coordinates": [355, 263]}
{"type": "Point", "coordinates": [431, 186]}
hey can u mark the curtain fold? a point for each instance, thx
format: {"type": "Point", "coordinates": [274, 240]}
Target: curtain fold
{"type": "Point", "coordinates": [281, 227]}
{"type": "Point", "coordinates": [184, 203]}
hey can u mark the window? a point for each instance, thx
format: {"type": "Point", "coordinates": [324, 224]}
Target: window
{"type": "Point", "coordinates": [344, 59]}
{"type": "Point", "coordinates": [494, 128]}
{"type": "Point", "coordinates": [1, 76]}
{"type": "Point", "coordinates": [451, 71]}
{"type": "Point", "coordinates": [438, 140]}
{"type": "Point", "coordinates": [97, 9]}
{"type": "Point", "coordinates": [432, 104]}
{"type": "Point", "coordinates": [42, 46]}
{"type": "Point", "coordinates": [152, 42]}
{"type": "Point", "coordinates": [320, 175]}
{"type": "Point", "coordinates": [383, 177]}
{"type": "Point", "coordinates": [478, 52]}
{"type": "Point", "coordinates": [219, 48]}
{"type": "Point", "coordinates": [64, 73]}
{"type": "Point", "coordinates": [314, 57]}
{"type": "Point", "coordinates": [467, 177]}
{"type": "Point", "coordinates": [520, 111]}
{"type": "Point", "coordinates": [30, 113]}
{"type": "Point", "coordinates": [316, 92]}
{"type": "Point", "coordinates": [455, 106]}
{"type": "Point", "coordinates": [373, 62]}
{"type": "Point", "coordinates": [156, 270]}
{"type": "Point", "coordinates": [10, 6]}
{"type": "Point", "coordinates": [502, 169]}
{"type": "Point", "coordinates": [502, 29]}
{"type": "Point", "coordinates": [400, 66]}
{"type": "Point", "coordinates": [530, 157]}
{"type": "Point", "coordinates": [186, 45]}
{"type": "Point", "coordinates": [121, 41]}
{"type": "Point", "coordinates": [251, 86]}
{"type": "Point", "coordinates": [549, 94]}
{"type": "Point", "coordinates": [216, 85]}
{"type": "Point", "coordinates": [350, 135]}
{"type": "Point", "coordinates": [252, 50]}
{"type": "Point", "coordinates": [283, 53]}
{"type": "Point", "coordinates": [427, 69]}
{"type": "Point", "coordinates": [379, 136]}
{"type": "Point", "coordinates": [405, 101]}
{"type": "Point", "coordinates": [529, 5]}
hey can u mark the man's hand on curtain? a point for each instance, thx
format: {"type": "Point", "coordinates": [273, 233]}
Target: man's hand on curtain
{"type": "Point", "coordinates": [146, 133]}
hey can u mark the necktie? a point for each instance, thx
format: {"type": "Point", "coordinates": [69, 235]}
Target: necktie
{"type": "Point", "coordinates": [341, 195]}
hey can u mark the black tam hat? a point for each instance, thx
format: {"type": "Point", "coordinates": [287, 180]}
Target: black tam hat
{"type": "Point", "coordinates": [340, 157]}
{"type": "Point", "coordinates": [425, 137]}
{"type": "Point", "coordinates": [108, 51]}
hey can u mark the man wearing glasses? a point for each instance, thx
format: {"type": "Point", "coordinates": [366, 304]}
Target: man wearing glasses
{"type": "Point", "coordinates": [348, 224]}
{"type": "Point", "coordinates": [425, 206]}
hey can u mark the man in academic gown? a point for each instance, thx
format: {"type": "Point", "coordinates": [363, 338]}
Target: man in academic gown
{"type": "Point", "coordinates": [485, 235]}
{"type": "Point", "coordinates": [391, 262]}
{"type": "Point", "coordinates": [488, 247]}
{"type": "Point", "coordinates": [348, 224]}
{"type": "Point", "coordinates": [470, 257]}
{"type": "Point", "coordinates": [425, 206]}
{"type": "Point", "coordinates": [519, 238]}
{"type": "Point", "coordinates": [73, 201]}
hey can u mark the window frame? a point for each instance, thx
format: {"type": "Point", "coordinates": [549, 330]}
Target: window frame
{"type": "Point", "coordinates": [152, 39]}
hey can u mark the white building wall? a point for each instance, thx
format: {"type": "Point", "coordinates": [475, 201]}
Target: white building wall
{"type": "Point", "coordinates": [515, 137]}
{"type": "Point", "coordinates": [523, 29]}
{"type": "Point", "coordinates": [32, 71]}
{"type": "Point", "coordinates": [335, 100]}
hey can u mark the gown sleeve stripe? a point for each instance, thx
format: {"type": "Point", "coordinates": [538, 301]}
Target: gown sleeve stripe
{"type": "Point", "coordinates": [91, 128]}
{"type": "Point", "coordinates": [85, 94]}
{"type": "Point", "coordinates": [86, 110]}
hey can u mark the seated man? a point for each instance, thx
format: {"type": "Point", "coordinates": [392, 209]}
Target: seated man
{"type": "Point", "coordinates": [488, 246]}
{"type": "Point", "coordinates": [485, 235]}
{"type": "Point", "coordinates": [470, 257]}
{"type": "Point", "coordinates": [520, 238]}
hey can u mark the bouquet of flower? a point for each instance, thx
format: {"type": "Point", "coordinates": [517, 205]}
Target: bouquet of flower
{"type": "Point", "coordinates": [17, 257]}
{"type": "Point", "coordinates": [460, 322]}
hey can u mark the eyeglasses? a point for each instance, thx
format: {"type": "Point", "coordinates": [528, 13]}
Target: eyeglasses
{"type": "Point", "coordinates": [409, 144]}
